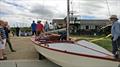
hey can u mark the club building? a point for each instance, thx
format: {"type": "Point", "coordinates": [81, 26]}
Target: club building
{"type": "Point", "coordinates": [82, 26]}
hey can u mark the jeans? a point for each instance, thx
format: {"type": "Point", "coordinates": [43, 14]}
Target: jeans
{"type": "Point", "coordinates": [33, 32]}
{"type": "Point", "coordinates": [115, 45]}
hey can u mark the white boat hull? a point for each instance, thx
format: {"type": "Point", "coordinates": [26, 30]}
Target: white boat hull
{"type": "Point", "coordinates": [70, 60]}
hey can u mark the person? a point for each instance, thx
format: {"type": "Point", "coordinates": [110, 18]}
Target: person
{"type": "Point", "coordinates": [17, 31]}
{"type": "Point", "coordinates": [2, 41]}
{"type": "Point", "coordinates": [55, 26]}
{"type": "Point", "coordinates": [12, 33]}
{"type": "Point", "coordinates": [39, 28]}
{"type": "Point", "coordinates": [51, 27]}
{"type": "Point", "coordinates": [7, 31]}
{"type": "Point", "coordinates": [33, 26]}
{"type": "Point", "coordinates": [115, 31]}
{"type": "Point", "coordinates": [63, 35]}
{"type": "Point", "coordinates": [46, 27]}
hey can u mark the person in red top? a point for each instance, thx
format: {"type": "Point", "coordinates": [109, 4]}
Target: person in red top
{"type": "Point", "coordinates": [39, 28]}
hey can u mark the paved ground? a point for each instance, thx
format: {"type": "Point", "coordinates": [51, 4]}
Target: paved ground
{"type": "Point", "coordinates": [24, 49]}
{"type": "Point", "coordinates": [27, 63]}
{"type": "Point", "coordinates": [25, 55]}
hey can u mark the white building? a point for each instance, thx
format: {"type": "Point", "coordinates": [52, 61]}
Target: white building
{"type": "Point", "coordinates": [84, 25]}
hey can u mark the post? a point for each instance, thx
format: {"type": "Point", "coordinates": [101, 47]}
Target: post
{"type": "Point", "coordinates": [68, 12]}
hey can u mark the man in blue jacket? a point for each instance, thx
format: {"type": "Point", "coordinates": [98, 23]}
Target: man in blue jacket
{"type": "Point", "coordinates": [33, 26]}
{"type": "Point", "coordinates": [115, 31]}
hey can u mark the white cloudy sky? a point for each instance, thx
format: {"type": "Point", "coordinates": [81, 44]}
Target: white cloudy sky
{"type": "Point", "coordinates": [22, 12]}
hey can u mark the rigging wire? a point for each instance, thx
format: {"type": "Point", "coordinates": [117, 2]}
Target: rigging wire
{"type": "Point", "coordinates": [79, 10]}
{"type": "Point", "coordinates": [108, 7]}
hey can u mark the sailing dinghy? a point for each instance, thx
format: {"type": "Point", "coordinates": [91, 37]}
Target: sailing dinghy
{"type": "Point", "coordinates": [74, 54]}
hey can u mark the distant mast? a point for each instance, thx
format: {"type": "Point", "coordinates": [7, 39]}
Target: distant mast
{"type": "Point", "coordinates": [68, 19]}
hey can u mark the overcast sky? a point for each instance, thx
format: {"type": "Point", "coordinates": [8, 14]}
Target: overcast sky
{"type": "Point", "coordinates": [24, 11]}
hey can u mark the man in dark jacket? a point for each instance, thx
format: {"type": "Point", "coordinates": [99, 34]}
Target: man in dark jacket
{"type": "Point", "coordinates": [7, 31]}
{"type": "Point", "coordinates": [33, 26]}
{"type": "Point", "coordinates": [17, 31]}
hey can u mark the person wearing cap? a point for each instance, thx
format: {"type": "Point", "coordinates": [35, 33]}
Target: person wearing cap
{"type": "Point", "coordinates": [115, 31]}
{"type": "Point", "coordinates": [39, 28]}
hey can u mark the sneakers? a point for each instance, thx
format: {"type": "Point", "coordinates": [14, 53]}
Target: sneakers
{"type": "Point", "coordinates": [13, 51]}
{"type": "Point", "coordinates": [117, 55]}
{"type": "Point", "coordinates": [4, 58]}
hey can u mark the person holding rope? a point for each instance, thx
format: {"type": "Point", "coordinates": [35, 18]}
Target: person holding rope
{"type": "Point", "coordinates": [115, 31]}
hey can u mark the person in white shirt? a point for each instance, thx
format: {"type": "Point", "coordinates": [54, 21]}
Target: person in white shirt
{"type": "Point", "coordinates": [51, 27]}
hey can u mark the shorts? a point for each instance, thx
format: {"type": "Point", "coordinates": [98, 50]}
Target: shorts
{"type": "Point", "coordinates": [2, 46]}
{"type": "Point", "coordinates": [38, 32]}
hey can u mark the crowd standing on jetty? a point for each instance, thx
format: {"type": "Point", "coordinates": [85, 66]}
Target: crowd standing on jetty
{"type": "Point", "coordinates": [38, 27]}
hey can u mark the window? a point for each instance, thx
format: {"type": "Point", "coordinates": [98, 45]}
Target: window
{"type": "Point", "coordinates": [87, 27]}
{"type": "Point", "coordinates": [82, 26]}
{"type": "Point", "coordinates": [92, 27]}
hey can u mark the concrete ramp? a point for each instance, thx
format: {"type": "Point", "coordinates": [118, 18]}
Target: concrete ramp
{"type": "Point", "coordinates": [27, 63]}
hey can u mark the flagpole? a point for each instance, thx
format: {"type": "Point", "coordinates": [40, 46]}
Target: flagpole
{"type": "Point", "coordinates": [68, 19]}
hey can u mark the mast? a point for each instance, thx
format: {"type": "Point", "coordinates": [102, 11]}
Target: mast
{"type": "Point", "coordinates": [68, 12]}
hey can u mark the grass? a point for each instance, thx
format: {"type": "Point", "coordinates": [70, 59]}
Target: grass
{"type": "Point", "coordinates": [99, 40]}
{"type": "Point", "coordinates": [105, 43]}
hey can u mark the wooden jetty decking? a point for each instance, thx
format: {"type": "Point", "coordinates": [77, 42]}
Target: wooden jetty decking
{"type": "Point", "coordinates": [25, 55]}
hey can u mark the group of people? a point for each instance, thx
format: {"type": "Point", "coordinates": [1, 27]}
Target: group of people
{"type": "Point", "coordinates": [39, 27]}
{"type": "Point", "coordinates": [4, 39]}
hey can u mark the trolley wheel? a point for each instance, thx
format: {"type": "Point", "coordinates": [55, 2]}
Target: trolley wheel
{"type": "Point", "coordinates": [41, 57]}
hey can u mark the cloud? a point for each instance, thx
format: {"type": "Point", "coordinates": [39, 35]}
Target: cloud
{"type": "Point", "coordinates": [5, 8]}
{"type": "Point", "coordinates": [43, 11]}
{"type": "Point", "coordinates": [50, 9]}
{"type": "Point", "coordinates": [96, 7]}
{"type": "Point", "coordinates": [2, 14]}
{"type": "Point", "coordinates": [13, 3]}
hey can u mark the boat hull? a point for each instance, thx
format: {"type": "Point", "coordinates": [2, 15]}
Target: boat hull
{"type": "Point", "coordinates": [65, 59]}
